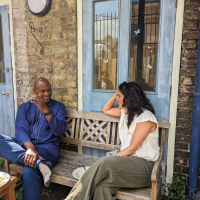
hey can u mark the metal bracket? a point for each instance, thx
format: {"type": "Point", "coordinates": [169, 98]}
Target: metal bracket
{"type": "Point", "coordinates": [31, 25]}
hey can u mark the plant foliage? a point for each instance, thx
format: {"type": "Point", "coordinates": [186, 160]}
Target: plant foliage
{"type": "Point", "coordinates": [1, 162]}
{"type": "Point", "coordinates": [18, 194]}
{"type": "Point", "coordinates": [178, 188]}
{"type": "Point", "coordinates": [46, 191]}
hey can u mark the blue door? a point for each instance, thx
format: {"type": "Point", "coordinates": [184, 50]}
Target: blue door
{"type": "Point", "coordinates": [7, 120]}
{"type": "Point", "coordinates": [128, 40]}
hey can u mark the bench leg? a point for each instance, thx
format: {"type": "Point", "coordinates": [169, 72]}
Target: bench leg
{"type": "Point", "coordinates": [154, 191]}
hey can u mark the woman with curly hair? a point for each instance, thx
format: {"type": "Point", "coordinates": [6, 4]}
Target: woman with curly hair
{"type": "Point", "coordinates": [132, 166]}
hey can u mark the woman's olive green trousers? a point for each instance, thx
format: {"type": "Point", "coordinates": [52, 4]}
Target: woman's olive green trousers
{"type": "Point", "coordinates": [105, 177]}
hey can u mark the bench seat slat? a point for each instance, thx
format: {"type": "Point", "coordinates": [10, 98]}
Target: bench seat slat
{"type": "Point", "coordinates": [134, 194]}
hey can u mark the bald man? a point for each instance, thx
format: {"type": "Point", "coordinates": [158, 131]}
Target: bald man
{"type": "Point", "coordinates": [39, 123]}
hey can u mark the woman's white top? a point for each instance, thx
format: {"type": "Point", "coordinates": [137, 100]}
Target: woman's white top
{"type": "Point", "coordinates": [149, 149]}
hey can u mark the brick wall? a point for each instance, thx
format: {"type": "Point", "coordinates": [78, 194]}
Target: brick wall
{"type": "Point", "coordinates": [21, 62]}
{"type": "Point", "coordinates": [59, 62]}
{"type": "Point", "coordinates": [186, 84]}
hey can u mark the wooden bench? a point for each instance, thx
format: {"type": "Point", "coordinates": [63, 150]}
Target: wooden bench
{"type": "Point", "coordinates": [99, 131]}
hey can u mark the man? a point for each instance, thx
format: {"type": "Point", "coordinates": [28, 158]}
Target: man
{"type": "Point", "coordinates": [105, 83]}
{"type": "Point", "coordinates": [39, 122]}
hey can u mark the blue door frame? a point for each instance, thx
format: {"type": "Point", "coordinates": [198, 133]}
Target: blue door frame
{"type": "Point", "coordinates": [7, 119]}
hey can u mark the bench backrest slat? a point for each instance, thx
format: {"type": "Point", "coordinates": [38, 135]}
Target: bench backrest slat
{"type": "Point", "coordinates": [89, 128]}
{"type": "Point", "coordinates": [108, 132]}
{"type": "Point", "coordinates": [91, 115]}
{"type": "Point", "coordinates": [77, 128]}
{"type": "Point", "coordinates": [73, 127]}
{"type": "Point", "coordinates": [113, 132]}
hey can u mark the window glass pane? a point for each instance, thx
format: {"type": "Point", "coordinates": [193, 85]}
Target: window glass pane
{"type": "Point", "coordinates": [2, 71]}
{"type": "Point", "coordinates": [105, 44]}
{"type": "Point", "coordinates": [144, 43]}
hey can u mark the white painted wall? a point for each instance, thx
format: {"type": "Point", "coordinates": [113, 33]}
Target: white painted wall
{"type": "Point", "coordinates": [174, 90]}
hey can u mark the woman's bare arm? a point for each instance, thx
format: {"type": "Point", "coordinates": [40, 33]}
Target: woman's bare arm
{"type": "Point", "coordinates": [108, 110]}
{"type": "Point", "coordinates": [141, 131]}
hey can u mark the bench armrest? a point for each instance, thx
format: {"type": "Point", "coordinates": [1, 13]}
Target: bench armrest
{"type": "Point", "coordinates": [155, 172]}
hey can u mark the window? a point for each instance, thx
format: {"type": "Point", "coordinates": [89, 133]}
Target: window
{"type": "Point", "coordinates": [144, 44]}
{"type": "Point", "coordinates": [105, 44]}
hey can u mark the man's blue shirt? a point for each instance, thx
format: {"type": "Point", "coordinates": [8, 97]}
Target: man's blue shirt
{"type": "Point", "coordinates": [31, 125]}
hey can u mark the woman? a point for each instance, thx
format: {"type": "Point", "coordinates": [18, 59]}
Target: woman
{"type": "Point", "coordinates": [132, 166]}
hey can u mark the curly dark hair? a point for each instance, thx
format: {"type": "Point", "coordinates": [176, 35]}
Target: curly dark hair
{"type": "Point", "coordinates": [134, 100]}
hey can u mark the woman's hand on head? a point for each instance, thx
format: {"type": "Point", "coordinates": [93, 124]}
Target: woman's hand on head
{"type": "Point", "coordinates": [108, 110]}
{"type": "Point", "coordinates": [115, 95]}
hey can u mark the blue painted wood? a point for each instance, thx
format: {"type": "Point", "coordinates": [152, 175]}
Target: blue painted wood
{"type": "Point", "coordinates": [7, 102]}
{"type": "Point", "coordinates": [93, 100]}
{"type": "Point", "coordinates": [1, 107]}
{"type": "Point", "coordinates": [88, 52]}
{"type": "Point", "coordinates": [164, 63]}
{"type": "Point", "coordinates": [1, 113]}
{"type": "Point", "coordinates": [87, 60]}
{"type": "Point", "coordinates": [98, 98]}
{"type": "Point", "coordinates": [165, 58]}
{"type": "Point", "coordinates": [124, 40]}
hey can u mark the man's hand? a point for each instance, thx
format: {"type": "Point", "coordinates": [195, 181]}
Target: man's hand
{"type": "Point", "coordinates": [39, 101]}
{"type": "Point", "coordinates": [31, 157]}
{"type": "Point", "coordinates": [31, 154]}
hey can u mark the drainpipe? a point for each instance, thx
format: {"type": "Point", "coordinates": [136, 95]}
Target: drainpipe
{"type": "Point", "coordinates": [195, 136]}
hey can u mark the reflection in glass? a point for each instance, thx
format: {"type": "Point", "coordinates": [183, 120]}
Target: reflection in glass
{"type": "Point", "coordinates": [144, 43]}
{"type": "Point", "coordinates": [2, 71]}
{"type": "Point", "coordinates": [105, 44]}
